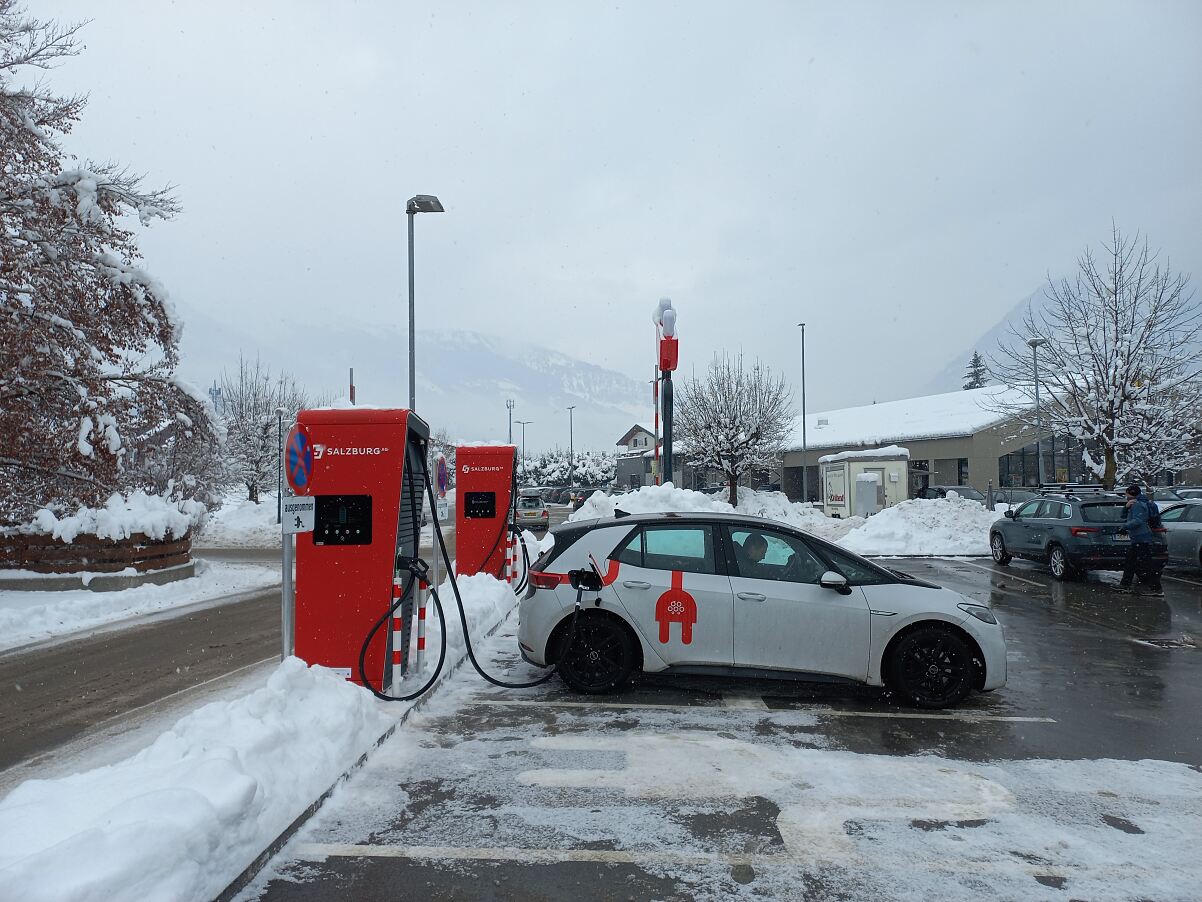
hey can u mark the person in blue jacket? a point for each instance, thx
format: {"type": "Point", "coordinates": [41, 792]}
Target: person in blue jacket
{"type": "Point", "coordinates": [1139, 553]}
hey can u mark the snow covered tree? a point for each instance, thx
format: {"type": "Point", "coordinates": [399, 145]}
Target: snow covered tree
{"type": "Point", "coordinates": [976, 374]}
{"type": "Point", "coordinates": [251, 400]}
{"type": "Point", "coordinates": [88, 342]}
{"type": "Point", "coordinates": [1120, 366]}
{"type": "Point", "coordinates": [553, 468]}
{"type": "Point", "coordinates": [734, 420]}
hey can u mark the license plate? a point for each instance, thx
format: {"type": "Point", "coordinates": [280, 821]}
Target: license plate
{"type": "Point", "coordinates": [1122, 538]}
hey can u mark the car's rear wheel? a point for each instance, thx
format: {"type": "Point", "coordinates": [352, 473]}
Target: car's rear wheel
{"type": "Point", "coordinates": [600, 658]}
{"type": "Point", "coordinates": [1059, 564]}
{"type": "Point", "coordinates": [997, 547]}
{"type": "Point", "coordinates": [931, 667]}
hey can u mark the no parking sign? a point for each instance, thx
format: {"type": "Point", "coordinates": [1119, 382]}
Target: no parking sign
{"type": "Point", "coordinates": [298, 460]}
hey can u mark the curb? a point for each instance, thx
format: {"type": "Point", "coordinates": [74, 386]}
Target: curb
{"type": "Point", "coordinates": [251, 871]}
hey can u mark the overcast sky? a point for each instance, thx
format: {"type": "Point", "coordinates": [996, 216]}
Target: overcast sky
{"type": "Point", "coordinates": [897, 175]}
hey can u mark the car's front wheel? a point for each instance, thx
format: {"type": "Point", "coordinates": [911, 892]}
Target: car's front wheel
{"type": "Point", "coordinates": [932, 667]}
{"type": "Point", "coordinates": [997, 547]}
{"type": "Point", "coordinates": [601, 656]}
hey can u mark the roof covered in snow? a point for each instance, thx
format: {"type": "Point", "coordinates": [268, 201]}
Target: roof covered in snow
{"type": "Point", "coordinates": [949, 415]}
{"type": "Point", "coordinates": [888, 452]}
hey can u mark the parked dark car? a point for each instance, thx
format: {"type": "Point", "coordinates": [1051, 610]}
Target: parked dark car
{"type": "Point", "coordinates": [1189, 492]}
{"type": "Point", "coordinates": [580, 496]}
{"type": "Point", "coordinates": [1013, 496]}
{"type": "Point", "coordinates": [940, 491]}
{"type": "Point", "coordinates": [1071, 534]}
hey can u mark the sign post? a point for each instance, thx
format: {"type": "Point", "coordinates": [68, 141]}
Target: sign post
{"type": "Point", "coordinates": [296, 516]}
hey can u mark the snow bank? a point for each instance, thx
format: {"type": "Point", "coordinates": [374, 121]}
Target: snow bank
{"type": "Point", "coordinates": [27, 616]}
{"type": "Point", "coordinates": [121, 517]}
{"type": "Point", "coordinates": [239, 522]}
{"type": "Point", "coordinates": [951, 525]}
{"type": "Point", "coordinates": [181, 819]}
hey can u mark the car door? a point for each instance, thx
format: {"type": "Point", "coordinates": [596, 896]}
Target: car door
{"type": "Point", "coordinates": [1181, 534]}
{"type": "Point", "coordinates": [677, 594]}
{"type": "Point", "coordinates": [1018, 536]}
{"type": "Point", "coordinates": [783, 618]}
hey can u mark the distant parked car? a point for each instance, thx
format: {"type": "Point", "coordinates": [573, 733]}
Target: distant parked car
{"type": "Point", "coordinates": [1183, 531]}
{"type": "Point", "coordinates": [1071, 534]}
{"type": "Point", "coordinates": [1013, 496]}
{"type": "Point", "coordinates": [580, 496]}
{"type": "Point", "coordinates": [1189, 492]}
{"type": "Point", "coordinates": [1161, 493]}
{"type": "Point", "coordinates": [532, 512]}
{"type": "Point", "coordinates": [940, 491]}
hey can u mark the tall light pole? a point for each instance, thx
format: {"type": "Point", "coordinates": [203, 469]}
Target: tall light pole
{"type": "Point", "coordinates": [571, 450]}
{"type": "Point", "coordinates": [509, 407]}
{"type": "Point", "coordinates": [805, 483]}
{"type": "Point", "coordinates": [524, 424]}
{"type": "Point", "coordinates": [419, 203]}
{"type": "Point", "coordinates": [1034, 344]}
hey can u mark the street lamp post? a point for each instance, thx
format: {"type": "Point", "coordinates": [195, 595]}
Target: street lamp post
{"type": "Point", "coordinates": [419, 203]}
{"type": "Point", "coordinates": [279, 464]}
{"type": "Point", "coordinates": [509, 407]}
{"type": "Point", "coordinates": [571, 450]}
{"type": "Point", "coordinates": [1034, 344]}
{"type": "Point", "coordinates": [805, 483]}
{"type": "Point", "coordinates": [524, 424]}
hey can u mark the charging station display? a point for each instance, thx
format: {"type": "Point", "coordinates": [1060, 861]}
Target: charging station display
{"type": "Point", "coordinates": [368, 478]}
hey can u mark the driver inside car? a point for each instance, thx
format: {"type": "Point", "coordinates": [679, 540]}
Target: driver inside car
{"type": "Point", "coordinates": [753, 550]}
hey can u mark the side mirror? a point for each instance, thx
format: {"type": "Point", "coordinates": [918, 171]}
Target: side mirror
{"type": "Point", "coordinates": [836, 581]}
{"type": "Point", "coordinates": [1009, 514]}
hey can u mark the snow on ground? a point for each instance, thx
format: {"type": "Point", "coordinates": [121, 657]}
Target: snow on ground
{"type": "Point", "coordinates": [183, 818]}
{"type": "Point", "coordinates": [33, 616]}
{"type": "Point", "coordinates": [240, 523]}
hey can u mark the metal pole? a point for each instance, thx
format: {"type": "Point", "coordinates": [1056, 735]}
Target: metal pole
{"type": "Point", "coordinates": [286, 592]}
{"type": "Point", "coordinates": [412, 343]}
{"type": "Point", "coordinates": [571, 451]}
{"type": "Point", "coordinates": [805, 483]}
{"type": "Point", "coordinates": [509, 407]}
{"type": "Point", "coordinates": [1038, 417]}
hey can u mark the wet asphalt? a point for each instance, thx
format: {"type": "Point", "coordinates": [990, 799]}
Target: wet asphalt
{"type": "Point", "coordinates": [447, 809]}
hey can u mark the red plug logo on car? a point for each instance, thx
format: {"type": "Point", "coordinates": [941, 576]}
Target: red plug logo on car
{"type": "Point", "coordinates": [676, 606]}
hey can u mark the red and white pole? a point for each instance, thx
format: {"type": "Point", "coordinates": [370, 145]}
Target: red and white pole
{"type": "Point", "coordinates": [398, 633]}
{"type": "Point", "coordinates": [423, 596]}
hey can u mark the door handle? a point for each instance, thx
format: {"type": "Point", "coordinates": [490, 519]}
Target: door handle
{"type": "Point", "coordinates": [753, 596]}
{"type": "Point", "coordinates": [636, 584]}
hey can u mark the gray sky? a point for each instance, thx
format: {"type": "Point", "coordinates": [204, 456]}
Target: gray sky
{"type": "Point", "coordinates": [897, 175]}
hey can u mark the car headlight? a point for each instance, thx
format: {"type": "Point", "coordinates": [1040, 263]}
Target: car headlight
{"type": "Point", "coordinates": [981, 612]}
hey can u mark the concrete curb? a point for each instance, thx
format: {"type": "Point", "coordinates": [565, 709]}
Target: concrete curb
{"type": "Point", "coordinates": [252, 870]}
{"type": "Point", "coordinates": [97, 582]}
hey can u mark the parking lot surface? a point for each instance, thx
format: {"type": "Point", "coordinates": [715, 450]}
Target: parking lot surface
{"type": "Point", "coordinates": [1082, 778]}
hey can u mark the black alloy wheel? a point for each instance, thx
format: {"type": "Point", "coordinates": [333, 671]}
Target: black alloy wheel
{"type": "Point", "coordinates": [997, 547]}
{"type": "Point", "coordinates": [601, 657]}
{"type": "Point", "coordinates": [1059, 564]}
{"type": "Point", "coordinates": [932, 667]}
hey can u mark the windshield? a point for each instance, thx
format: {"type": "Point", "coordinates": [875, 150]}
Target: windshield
{"type": "Point", "coordinates": [528, 503]}
{"type": "Point", "coordinates": [967, 491]}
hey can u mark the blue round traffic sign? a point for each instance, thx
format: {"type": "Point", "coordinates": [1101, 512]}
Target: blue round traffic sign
{"type": "Point", "coordinates": [298, 460]}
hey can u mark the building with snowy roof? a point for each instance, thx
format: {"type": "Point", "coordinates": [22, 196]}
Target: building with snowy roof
{"type": "Point", "coordinates": [957, 438]}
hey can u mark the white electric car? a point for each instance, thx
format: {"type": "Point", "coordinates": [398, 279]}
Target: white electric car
{"type": "Point", "coordinates": [737, 595]}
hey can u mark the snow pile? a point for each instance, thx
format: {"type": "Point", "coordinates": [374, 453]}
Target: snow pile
{"type": "Point", "coordinates": [121, 517]}
{"type": "Point", "coordinates": [239, 522]}
{"type": "Point", "coordinates": [33, 616]}
{"type": "Point", "coordinates": [951, 525]}
{"type": "Point", "coordinates": [181, 819]}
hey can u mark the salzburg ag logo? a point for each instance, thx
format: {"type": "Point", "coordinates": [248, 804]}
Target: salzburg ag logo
{"type": "Point", "coordinates": [470, 469]}
{"type": "Point", "coordinates": [320, 451]}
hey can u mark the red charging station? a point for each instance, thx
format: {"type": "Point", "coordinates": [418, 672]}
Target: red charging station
{"type": "Point", "coordinates": [368, 475]}
{"type": "Point", "coordinates": [484, 499]}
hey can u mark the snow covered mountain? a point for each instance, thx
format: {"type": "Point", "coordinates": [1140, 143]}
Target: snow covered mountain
{"type": "Point", "coordinates": [463, 377]}
{"type": "Point", "coordinates": [951, 377]}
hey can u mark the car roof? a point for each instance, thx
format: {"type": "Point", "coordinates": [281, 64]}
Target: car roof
{"type": "Point", "coordinates": [682, 517]}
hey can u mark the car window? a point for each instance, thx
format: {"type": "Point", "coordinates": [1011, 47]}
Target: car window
{"type": "Point", "coordinates": [632, 551]}
{"type": "Point", "coordinates": [1195, 513]}
{"type": "Point", "coordinates": [529, 503]}
{"type": "Point", "coordinates": [858, 572]}
{"type": "Point", "coordinates": [760, 554]}
{"type": "Point", "coordinates": [1104, 513]}
{"type": "Point", "coordinates": [1028, 509]}
{"type": "Point", "coordinates": [687, 548]}
{"type": "Point", "coordinates": [1172, 516]}
{"type": "Point", "coordinates": [1061, 511]}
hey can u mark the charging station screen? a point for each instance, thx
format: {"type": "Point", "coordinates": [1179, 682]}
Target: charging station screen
{"type": "Point", "coordinates": [342, 520]}
{"type": "Point", "coordinates": [480, 505]}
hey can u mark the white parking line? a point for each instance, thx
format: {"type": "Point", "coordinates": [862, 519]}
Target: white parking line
{"type": "Point", "coordinates": [968, 716]}
{"type": "Point", "coordinates": [1178, 579]}
{"type": "Point", "coordinates": [994, 570]}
